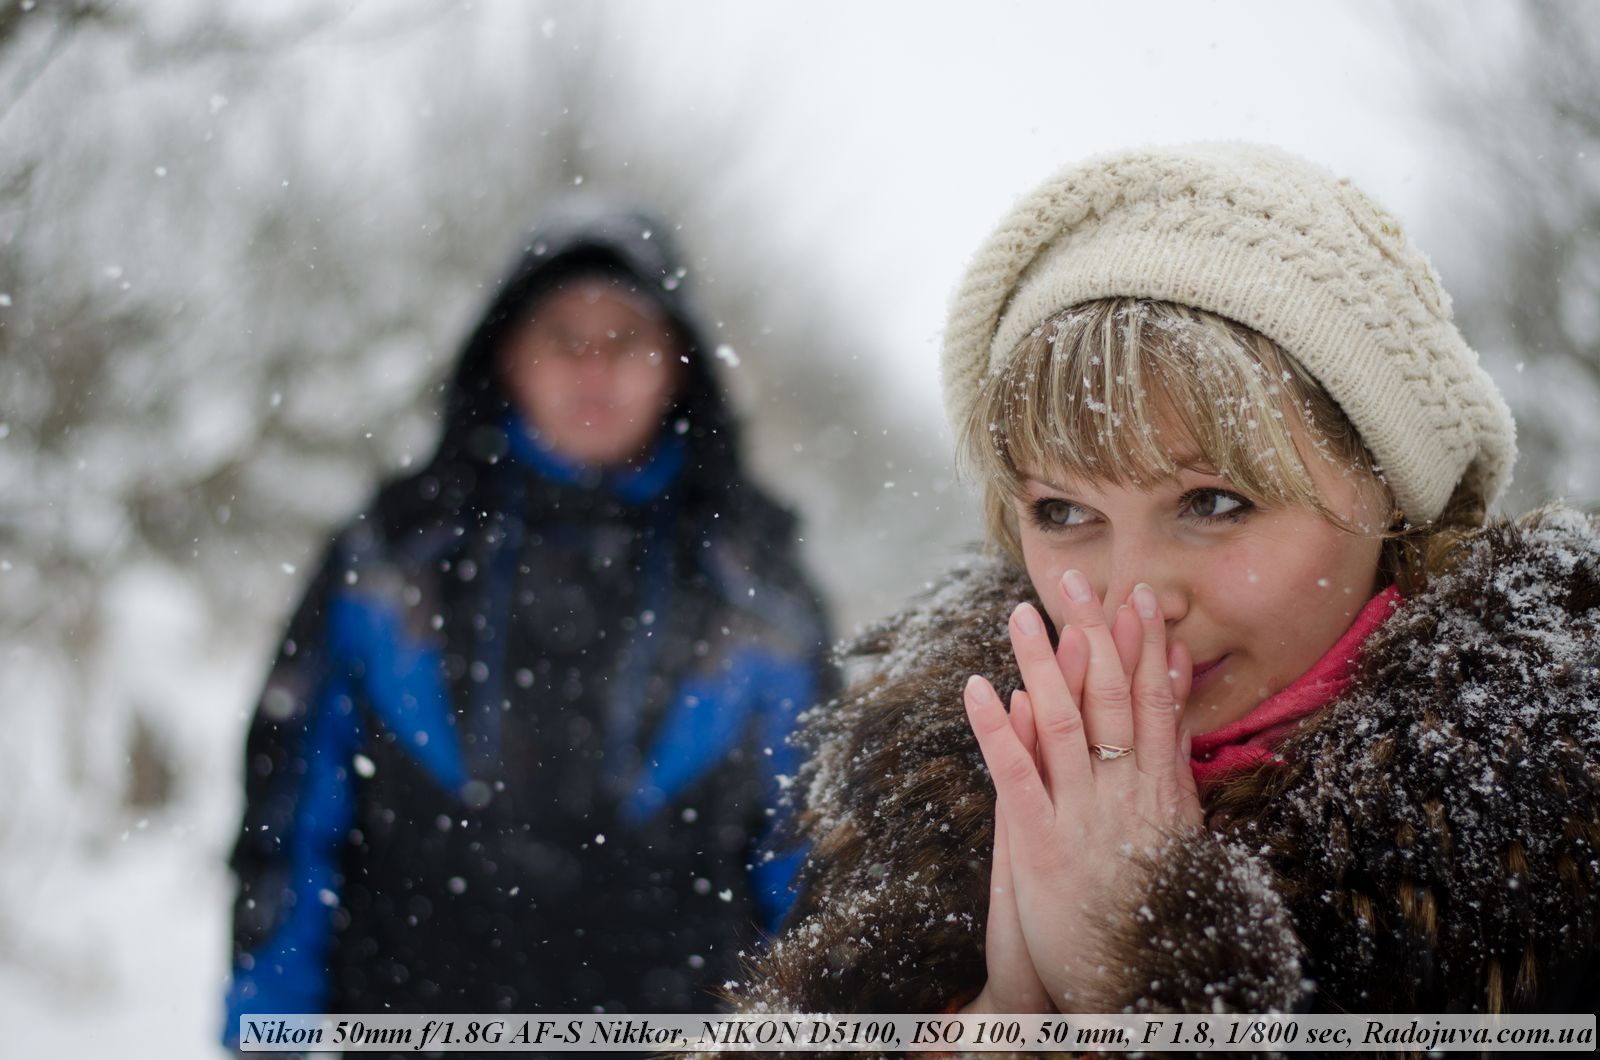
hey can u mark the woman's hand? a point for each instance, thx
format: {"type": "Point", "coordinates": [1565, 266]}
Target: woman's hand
{"type": "Point", "coordinates": [1110, 778]}
{"type": "Point", "coordinates": [1013, 985]}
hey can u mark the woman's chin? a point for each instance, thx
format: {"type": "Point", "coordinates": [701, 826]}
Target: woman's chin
{"type": "Point", "coordinates": [1219, 706]}
{"type": "Point", "coordinates": [1201, 716]}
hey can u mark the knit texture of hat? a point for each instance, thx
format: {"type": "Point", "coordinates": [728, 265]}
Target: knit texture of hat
{"type": "Point", "coordinates": [1270, 241]}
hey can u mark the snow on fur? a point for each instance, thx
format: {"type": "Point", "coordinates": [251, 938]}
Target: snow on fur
{"type": "Point", "coordinates": [1433, 843]}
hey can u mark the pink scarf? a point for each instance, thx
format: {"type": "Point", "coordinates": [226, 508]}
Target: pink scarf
{"type": "Point", "coordinates": [1250, 740]}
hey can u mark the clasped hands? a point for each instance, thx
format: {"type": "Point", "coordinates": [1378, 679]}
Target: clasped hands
{"type": "Point", "coordinates": [1073, 806]}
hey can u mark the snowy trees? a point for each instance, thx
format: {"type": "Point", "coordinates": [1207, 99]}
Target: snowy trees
{"type": "Point", "coordinates": [1515, 91]}
{"type": "Point", "coordinates": [238, 246]}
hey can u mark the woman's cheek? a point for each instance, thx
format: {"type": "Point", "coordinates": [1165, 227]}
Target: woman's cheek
{"type": "Point", "coordinates": [1044, 571]}
{"type": "Point", "coordinates": [1236, 574]}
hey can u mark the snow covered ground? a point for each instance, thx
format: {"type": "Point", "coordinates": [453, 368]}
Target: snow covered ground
{"type": "Point", "coordinates": [121, 952]}
{"type": "Point", "coordinates": [114, 924]}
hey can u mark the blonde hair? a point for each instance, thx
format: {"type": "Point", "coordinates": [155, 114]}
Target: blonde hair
{"type": "Point", "coordinates": [1119, 389]}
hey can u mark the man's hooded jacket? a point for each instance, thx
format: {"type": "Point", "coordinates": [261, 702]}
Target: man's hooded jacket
{"type": "Point", "coordinates": [519, 748]}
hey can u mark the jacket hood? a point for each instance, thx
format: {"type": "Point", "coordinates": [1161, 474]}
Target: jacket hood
{"type": "Point", "coordinates": [576, 235]}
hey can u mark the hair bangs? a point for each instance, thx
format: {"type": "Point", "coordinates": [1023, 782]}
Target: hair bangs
{"type": "Point", "coordinates": [1131, 391]}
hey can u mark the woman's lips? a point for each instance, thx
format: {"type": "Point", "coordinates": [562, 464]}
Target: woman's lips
{"type": "Point", "coordinates": [1203, 672]}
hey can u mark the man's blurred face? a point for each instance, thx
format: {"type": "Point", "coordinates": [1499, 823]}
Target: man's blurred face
{"type": "Point", "coordinates": [594, 369]}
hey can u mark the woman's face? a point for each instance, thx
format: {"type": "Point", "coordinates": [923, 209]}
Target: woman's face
{"type": "Point", "coordinates": [1258, 594]}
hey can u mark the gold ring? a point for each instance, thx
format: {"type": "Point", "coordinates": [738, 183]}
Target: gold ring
{"type": "Point", "coordinates": [1108, 751]}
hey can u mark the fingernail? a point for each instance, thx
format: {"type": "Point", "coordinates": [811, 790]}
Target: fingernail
{"type": "Point", "coordinates": [1077, 586]}
{"type": "Point", "coordinates": [977, 689]}
{"type": "Point", "coordinates": [1144, 600]}
{"type": "Point", "coordinates": [1027, 620]}
{"type": "Point", "coordinates": [1187, 741]}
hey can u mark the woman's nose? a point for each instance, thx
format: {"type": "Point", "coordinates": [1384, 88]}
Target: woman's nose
{"type": "Point", "coordinates": [1157, 565]}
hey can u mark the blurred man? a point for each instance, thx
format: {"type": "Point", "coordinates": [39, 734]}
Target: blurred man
{"type": "Point", "coordinates": [520, 746]}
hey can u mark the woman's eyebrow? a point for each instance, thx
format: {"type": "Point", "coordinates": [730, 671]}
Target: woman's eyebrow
{"type": "Point", "coordinates": [1181, 462]}
{"type": "Point", "coordinates": [1044, 483]}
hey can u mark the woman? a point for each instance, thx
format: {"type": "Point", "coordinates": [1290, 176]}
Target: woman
{"type": "Point", "coordinates": [1289, 727]}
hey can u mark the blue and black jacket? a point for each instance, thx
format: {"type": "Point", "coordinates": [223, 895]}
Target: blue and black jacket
{"type": "Point", "coordinates": [521, 745]}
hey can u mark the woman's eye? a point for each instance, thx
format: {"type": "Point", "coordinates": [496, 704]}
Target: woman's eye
{"type": "Point", "coordinates": [1216, 504]}
{"type": "Point", "coordinates": [1051, 513]}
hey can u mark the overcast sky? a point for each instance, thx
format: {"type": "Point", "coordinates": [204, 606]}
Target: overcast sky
{"type": "Point", "coordinates": [901, 132]}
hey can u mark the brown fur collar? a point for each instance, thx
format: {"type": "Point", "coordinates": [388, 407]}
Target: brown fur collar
{"type": "Point", "coordinates": [1434, 844]}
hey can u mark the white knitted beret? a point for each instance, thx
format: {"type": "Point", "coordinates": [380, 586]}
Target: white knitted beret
{"type": "Point", "coordinates": [1266, 239]}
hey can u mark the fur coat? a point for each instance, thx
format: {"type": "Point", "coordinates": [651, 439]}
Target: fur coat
{"type": "Point", "coordinates": [1433, 844]}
